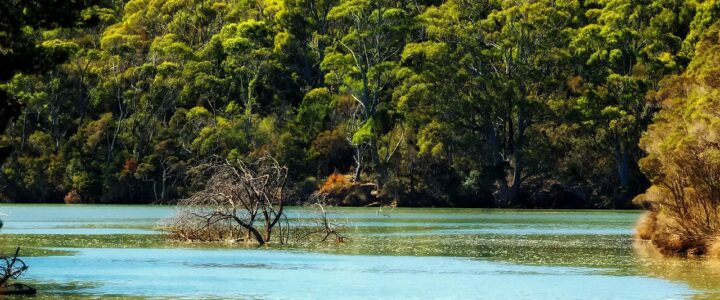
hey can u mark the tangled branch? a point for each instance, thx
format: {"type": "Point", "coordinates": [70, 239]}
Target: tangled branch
{"type": "Point", "coordinates": [13, 268]}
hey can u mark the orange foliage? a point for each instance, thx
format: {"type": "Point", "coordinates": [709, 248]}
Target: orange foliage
{"type": "Point", "coordinates": [129, 167]}
{"type": "Point", "coordinates": [334, 181]}
{"type": "Point", "coordinates": [73, 197]}
{"type": "Point", "coordinates": [575, 83]}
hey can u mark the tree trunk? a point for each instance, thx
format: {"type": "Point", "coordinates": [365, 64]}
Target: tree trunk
{"type": "Point", "coordinates": [379, 166]}
{"type": "Point", "coordinates": [519, 163]}
{"type": "Point", "coordinates": [268, 233]}
{"type": "Point", "coordinates": [498, 165]}
{"type": "Point", "coordinates": [258, 237]}
{"type": "Point", "coordinates": [622, 159]}
{"type": "Point", "coordinates": [358, 164]}
{"type": "Point", "coordinates": [251, 230]}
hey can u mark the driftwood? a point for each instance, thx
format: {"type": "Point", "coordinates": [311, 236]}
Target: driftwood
{"type": "Point", "coordinates": [323, 227]}
{"type": "Point", "coordinates": [12, 267]}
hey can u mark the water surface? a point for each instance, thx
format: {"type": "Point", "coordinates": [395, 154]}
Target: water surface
{"type": "Point", "coordinates": [102, 251]}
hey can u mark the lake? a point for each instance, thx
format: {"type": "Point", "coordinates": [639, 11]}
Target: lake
{"type": "Point", "coordinates": [91, 251]}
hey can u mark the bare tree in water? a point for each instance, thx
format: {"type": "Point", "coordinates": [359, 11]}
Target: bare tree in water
{"type": "Point", "coordinates": [246, 202]}
{"type": "Point", "coordinates": [241, 201]}
{"type": "Point", "coordinates": [11, 268]}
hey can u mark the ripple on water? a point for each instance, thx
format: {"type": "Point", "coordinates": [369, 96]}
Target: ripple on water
{"type": "Point", "coordinates": [193, 273]}
{"type": "Point", "coordinates": [414, 253]}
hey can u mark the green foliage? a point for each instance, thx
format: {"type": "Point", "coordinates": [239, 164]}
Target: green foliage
{"type": "Point", "coordinates": [460, 102]}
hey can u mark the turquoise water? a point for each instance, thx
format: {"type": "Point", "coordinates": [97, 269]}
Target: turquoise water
{"type": "Point", "coordinates": [102, 251]}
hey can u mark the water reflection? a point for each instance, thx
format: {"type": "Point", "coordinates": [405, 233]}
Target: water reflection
{"type": "Point", "coordinates": [702, 274]}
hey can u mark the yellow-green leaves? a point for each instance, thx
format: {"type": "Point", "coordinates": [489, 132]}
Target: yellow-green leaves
{"type": "Point", "coordinates": [171, 48]}
{"type": "Point", "coordinates": [365, 134]}
{"type": "Point", "coordinates": [683, 145]}
{"type": "Point", "coordinates": [431, 139]}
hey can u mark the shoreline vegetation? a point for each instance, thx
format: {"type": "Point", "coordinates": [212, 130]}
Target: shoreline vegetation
{"type": "Point", "coordinates": [478, 103]}
{"type": "Point", "coordinates": [482, 103]}
{"type": "Point", "coordinates": [683, 161]}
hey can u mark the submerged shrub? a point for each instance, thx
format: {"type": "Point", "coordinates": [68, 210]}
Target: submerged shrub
{"type": "Point", "coordinates": [246, 202]}
{"type": "Point", "coordinates": [240, 201]}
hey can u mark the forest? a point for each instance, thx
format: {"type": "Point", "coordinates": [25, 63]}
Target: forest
{"type": "Point", "coordinates": [466, 103]}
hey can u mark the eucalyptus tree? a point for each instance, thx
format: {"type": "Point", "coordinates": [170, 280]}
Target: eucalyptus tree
{"type": "Point", "coordinates": [511, 61]}
{"type": "Point", "coordinates": [627, 47]}
{"type": "Point", "coordinates": [21, 50]}
{"type": "Point", "coordinates": [360, 64]}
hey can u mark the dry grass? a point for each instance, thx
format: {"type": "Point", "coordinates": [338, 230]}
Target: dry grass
{"type": "Point", "coordinates": [712, 248]}
{"type": "Point", "coordinates": [645, 227]}
{"type": "Point", "coordinates": [191, 227]}
{"type": "Point", "coordinates": [73, 197]}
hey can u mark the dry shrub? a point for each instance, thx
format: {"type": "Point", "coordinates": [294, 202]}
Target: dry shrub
{"type": "Point", "coordinates": [246, 202]}
{"type": "Point", "coordinates": [239, 202]}
{"type": "Point", "coordinates": [73, 197]}
{"type": "Point", "coordinates": [334, 182]}
{"type": "Point", "coordinates": [319, 227]}
{"type": "Point", "coordinates": [339, 189]}
{"type": "Point", "coordinates": [645, 227]}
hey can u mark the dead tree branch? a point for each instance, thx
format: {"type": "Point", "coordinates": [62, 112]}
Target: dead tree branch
{"type": "Point", "coordinates": [240, 201]}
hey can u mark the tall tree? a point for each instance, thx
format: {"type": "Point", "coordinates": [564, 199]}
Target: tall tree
{"type": "Point", "coordinates": [371, 35]}
{"type": "Point", "coordinates": [627, 47]}
{"type": "Point", "coordinates": [512, 56]}
{"type": "Point", "coordinates": [20, 47]}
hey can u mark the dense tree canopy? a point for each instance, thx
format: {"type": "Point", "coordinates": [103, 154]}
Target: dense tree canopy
{"type": "Point", "coordinates": [461, 102]}
{"type": "Point", "coordinates": [21, 49]}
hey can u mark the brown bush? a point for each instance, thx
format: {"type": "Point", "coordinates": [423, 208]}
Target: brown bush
{"type": "Point", "coordinates": [683, 159]}
{"type": "Point", "coordinates": [645, 227]}
{"type": "Point", "coordinates": [334, 182]}
{"type": "Point", "coordinates": [73, 197]}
